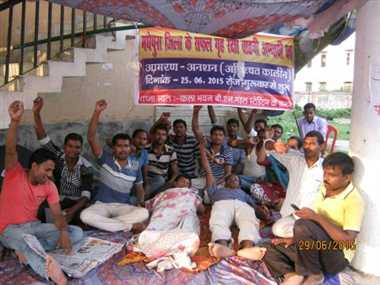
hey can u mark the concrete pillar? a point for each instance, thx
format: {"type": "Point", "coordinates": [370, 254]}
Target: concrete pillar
{"type": "Point", "coordinates": [365, 134]}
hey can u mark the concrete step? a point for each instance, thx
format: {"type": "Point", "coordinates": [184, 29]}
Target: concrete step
{"type": "Point", "coordinates": [74, 65]}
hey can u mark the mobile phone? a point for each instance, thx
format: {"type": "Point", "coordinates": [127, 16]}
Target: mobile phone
{"type": "Point", "coordinates": [294, 207]}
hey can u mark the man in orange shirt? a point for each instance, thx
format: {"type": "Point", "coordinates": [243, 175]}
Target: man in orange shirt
{"type": "Point", "coordinates": [22, 193]}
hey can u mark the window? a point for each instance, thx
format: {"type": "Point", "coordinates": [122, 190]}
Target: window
{"type": "Point", "coordinates": [309, 64]}
{"type": "Point", "coordinates": [348, 56]}
{"type": "Point", "coordinates": [322, 86]}
{"type": "Point", "coordinates": [347, 86]}
{"type": "Point", "coordinates": [309, 87]}
{"type": "Point", "coordinates": [323, 59]}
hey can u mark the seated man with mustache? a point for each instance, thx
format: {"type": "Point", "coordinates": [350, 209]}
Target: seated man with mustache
{"type": "Point", "coordinates": [324, 236]}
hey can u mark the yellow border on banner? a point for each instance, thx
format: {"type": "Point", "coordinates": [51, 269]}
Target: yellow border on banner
{"type": "Point", "coordinates": [262, 48]}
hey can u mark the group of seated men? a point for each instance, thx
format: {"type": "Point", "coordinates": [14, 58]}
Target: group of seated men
{"type": "Point", "coordinates": [153, 182]}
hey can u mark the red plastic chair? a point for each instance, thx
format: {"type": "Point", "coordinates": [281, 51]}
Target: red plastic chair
{"type": "Point", "coordinates": [331, 130]}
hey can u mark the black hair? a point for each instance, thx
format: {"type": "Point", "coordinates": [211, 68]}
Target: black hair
{"type": "Point", "coordinates": [179, 176]}
{"type": "Point", "coordinates": [298, 139]}
{"type": "Point", "coordinates": [232, 174]}
{"type": "Point", "coordinates": [261, 121]}
{"type": "Point", "coordinates": [40, 156]}
{"type": "Point", "coordinates": [233, 121]}
{"type": "Point", "coordinates": [161, 127]}
{"type": "Point", "coordinates": [137, 131]}
{"type": "Point", "coordinates": [120, 136]}
{"type": "Point", "coordinates": [315, 134]}
{"type": "Point", "coordinates": [309, 106]}
{"type": "Point", "coordinates": [73, 137]}
{"type": "Point", "coordinates": [217, 128]}
{"type": "Point", "coordinates": [278, 126]}
{"type": "Point", "coordinates": [341, 160]}
{"type": "Point", "coordinates": [179, 121]}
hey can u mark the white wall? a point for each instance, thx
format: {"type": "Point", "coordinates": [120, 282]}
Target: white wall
{"type": "Point", "coordinates": [336, 71]}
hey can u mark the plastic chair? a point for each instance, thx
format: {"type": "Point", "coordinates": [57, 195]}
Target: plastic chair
{"type": "Point", "coordinates": [331, 130]}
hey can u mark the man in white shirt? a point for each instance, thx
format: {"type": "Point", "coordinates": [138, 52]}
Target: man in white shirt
{"type": "Point", "coordinates": [311, 122]}
{"type": "Point", "coordinates": [305, 178]}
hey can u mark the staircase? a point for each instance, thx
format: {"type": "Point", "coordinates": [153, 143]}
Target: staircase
{"type": "Point", "coordinates": [58, 70]}
{"type": "Point", "coordinates": [41, 43]}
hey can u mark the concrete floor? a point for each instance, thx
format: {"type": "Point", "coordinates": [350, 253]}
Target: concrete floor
{"type": "Point", "coordinates": [364, 279]}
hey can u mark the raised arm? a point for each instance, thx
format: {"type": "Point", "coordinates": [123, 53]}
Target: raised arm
{"type": "Point", "coordinates": [38, 103]}
{"type": "Point", "coordinates": [260, 152]}
{"type": "Point", "coordinates": [195, 124]}
{"type": "Point", "coordinates": [269, 144]}
{"type": "Point", "coordinates": [174, 171]}
{"type": "Point", "coordinates": [249, 123]}
{"type": "Point", "coordinates": [163, 120]}
{"type": "Point", "coordinates": [242, 118]}
{"type": "Point", "coordinates": [211, 114]}
{"type": "Point", "coordinates": [96, 148]}
{"type": "Point", "coordinates": [210, 179]}
{"type": "Point", "coordinates": [15, 110]}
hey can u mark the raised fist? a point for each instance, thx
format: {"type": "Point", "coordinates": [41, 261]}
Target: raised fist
{"type": "Point", "coordinates": [38, 103]}
{"type": "Point", "coordinates": [15, 110]}
{"type": "Point", "coordinates": [100, 106]}
{"type": "Point", "coordinates": [197, 108]}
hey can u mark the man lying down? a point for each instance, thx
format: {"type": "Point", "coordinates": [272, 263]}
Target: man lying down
{"type": "Point", "coordinates": [172, 235]}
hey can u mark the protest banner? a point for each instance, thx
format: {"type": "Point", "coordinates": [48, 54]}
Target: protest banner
{"type": "Point", "coordinates": [182, 68]}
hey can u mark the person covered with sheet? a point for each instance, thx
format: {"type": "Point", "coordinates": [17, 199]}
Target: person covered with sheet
{"type": "Point", "coordinates": [172, 234]}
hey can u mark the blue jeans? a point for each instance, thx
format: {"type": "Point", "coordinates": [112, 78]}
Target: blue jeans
{"type": "Point", "coordinates": [47, 235]}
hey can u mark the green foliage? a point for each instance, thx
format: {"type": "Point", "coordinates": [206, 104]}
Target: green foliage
{"type": "Point", "coordinates": [334, 118]}
{"type": "Point", "coordinates": [335, 114]}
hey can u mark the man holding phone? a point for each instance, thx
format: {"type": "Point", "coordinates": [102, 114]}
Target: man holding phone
{"type": "Point", "coordinates": [305, 177]}
{"type": "Point", "coordinates": [296, 208]}
{"type": "Point", "coordinates": [325, 234]}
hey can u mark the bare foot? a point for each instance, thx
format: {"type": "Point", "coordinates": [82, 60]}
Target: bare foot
{"type": "Point", "coordinates": [21, 258]}
{"type": "Point", "coordinates": [54, 271]}
{"type": "Point", "coordinates": [252, 253]}
{"type": "Point", "coordinates": [292, 279]}
{"type": "Point", "coordinates": [314, 279]}
{"type": "Point", "coordinates": [219, 250]}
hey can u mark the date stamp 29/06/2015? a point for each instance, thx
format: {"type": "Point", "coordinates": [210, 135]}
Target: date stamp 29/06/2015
{"type": "Point", "coordinates": [326, 245]}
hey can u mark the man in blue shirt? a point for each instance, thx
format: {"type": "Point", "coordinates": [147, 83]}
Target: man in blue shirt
{"type": "Point", "coordinates": [311, 122]}
{"type": "Point", "coordinates": [139, 143]}
{"type": "Point", "coordinates": [230, 205]}
{"type": "Point", "coordinates": [119, 172]}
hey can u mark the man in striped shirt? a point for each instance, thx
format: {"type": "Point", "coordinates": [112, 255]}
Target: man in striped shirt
{"type": "Point", "coordinates": [187, 149]}
{"type": "Point", "coordinates": [119, 172]}
{"type": "Point", "coordinates": [73, 174]}
{"type": "Point", "coordinates": [233, 139]}
{"type": "Point", "coordinates": [219, 154]}
{"type": "Point", "coordinates": [162, 165]}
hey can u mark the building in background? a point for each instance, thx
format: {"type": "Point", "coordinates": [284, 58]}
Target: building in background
{"type": "Point", "coordinates": [327, 79]}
